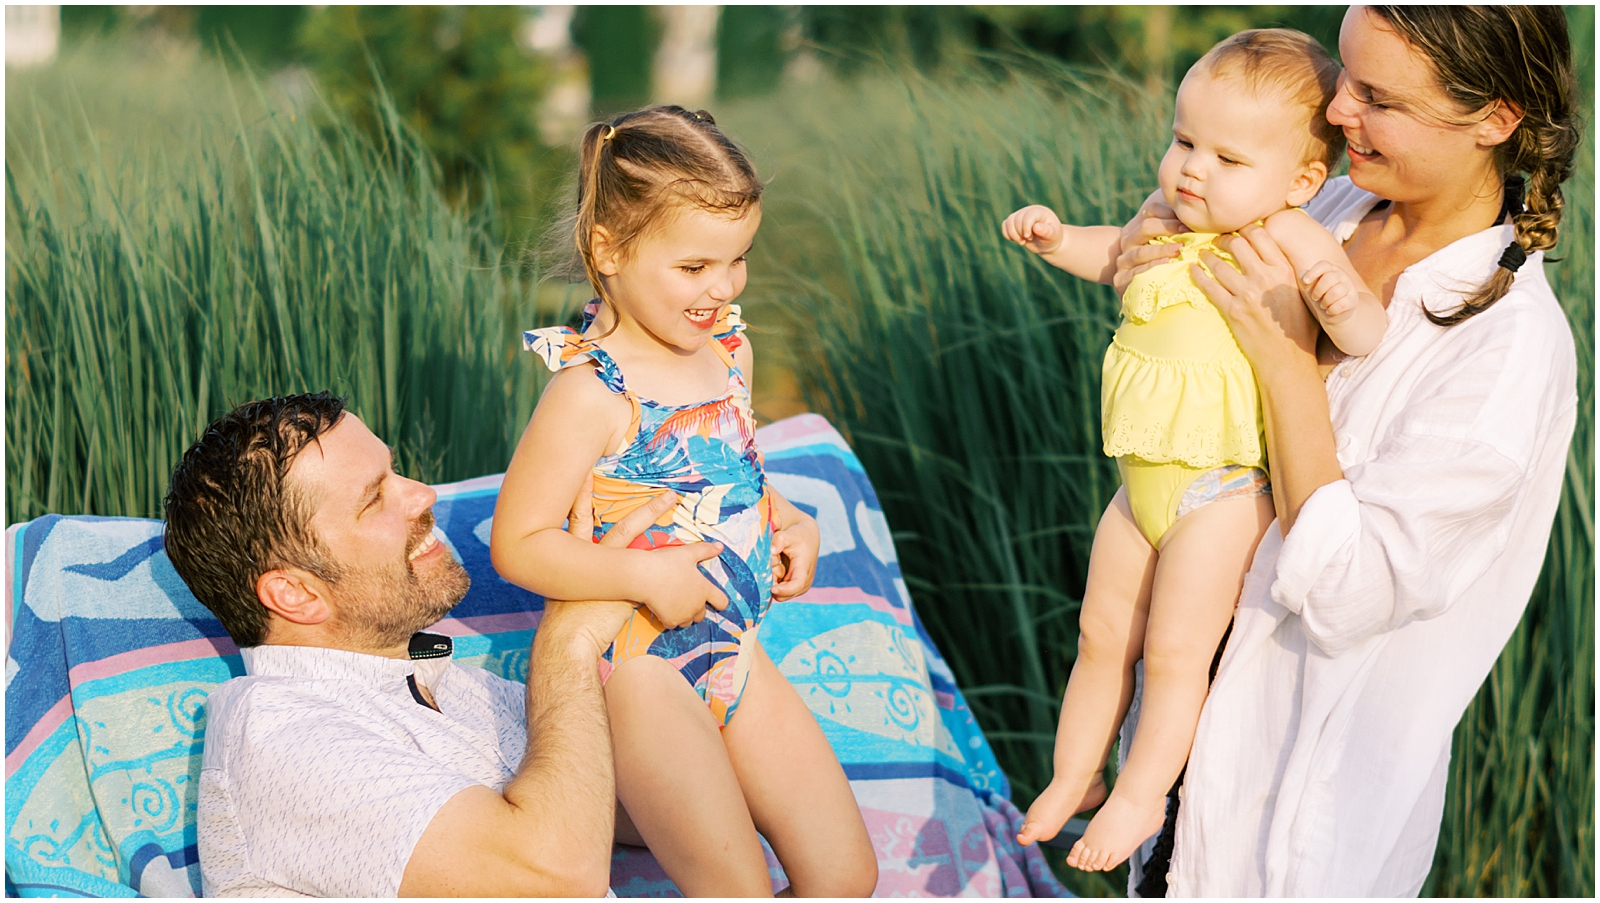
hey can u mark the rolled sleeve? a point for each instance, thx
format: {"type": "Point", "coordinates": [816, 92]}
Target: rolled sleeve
{"type": "Point", "coordinates": [1398, 540]}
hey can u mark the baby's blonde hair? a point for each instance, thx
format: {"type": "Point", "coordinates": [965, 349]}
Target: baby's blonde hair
{"type": "Point", "coordinates": [1290, 62]}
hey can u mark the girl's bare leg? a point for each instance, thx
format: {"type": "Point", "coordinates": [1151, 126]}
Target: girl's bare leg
{"type": "Point", "coordinates": [796, 789]}
{"type": "Point", "coordinates": [1203, 560]}
{"type": "Point", "coordinates": [678, 786]}
{"type": "Point", "coordinates": [1111, 628]}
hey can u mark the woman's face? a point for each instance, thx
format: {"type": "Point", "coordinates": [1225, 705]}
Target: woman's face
{"type": "Point", "coordinates": [1408, 141]}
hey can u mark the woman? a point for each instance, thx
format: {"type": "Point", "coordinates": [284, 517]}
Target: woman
{"type": "Point", "coordinates": [1415, 488]}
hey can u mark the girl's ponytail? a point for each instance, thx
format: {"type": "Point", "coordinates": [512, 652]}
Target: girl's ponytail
{"type": "Point", "coordinates": [634, 170]}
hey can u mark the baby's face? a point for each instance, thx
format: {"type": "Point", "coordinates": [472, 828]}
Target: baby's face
{"type": "Point", "coordinates": [1236, 155]}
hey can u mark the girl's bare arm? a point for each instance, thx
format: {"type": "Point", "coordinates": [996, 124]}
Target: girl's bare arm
{"type": "Point", "coordinates": [577, 421]}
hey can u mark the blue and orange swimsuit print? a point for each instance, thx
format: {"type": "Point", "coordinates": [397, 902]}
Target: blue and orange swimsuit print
{"type": "Point", "coordinates": [707, 454]}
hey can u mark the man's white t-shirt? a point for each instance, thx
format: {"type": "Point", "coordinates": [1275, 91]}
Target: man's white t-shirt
{"type": "Point", "coordinates": [322, 768]}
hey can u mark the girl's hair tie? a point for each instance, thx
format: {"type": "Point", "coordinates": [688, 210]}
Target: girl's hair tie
{"type": "Point", "coordinates": [611, 132]}
{"type": "Point", "coordinates": [1513, 257]}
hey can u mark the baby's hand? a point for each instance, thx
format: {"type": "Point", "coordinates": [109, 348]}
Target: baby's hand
{"type": "Point", "coordinates": [679, 592]}
{"type": "Point", "coordinates": [1036, 228]}
{"type": "Point", "coordinates": [1330, 289]}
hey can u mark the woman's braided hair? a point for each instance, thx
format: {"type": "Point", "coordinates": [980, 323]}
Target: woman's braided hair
{"type": "Point", "coordinates": [1508, 54]}
{"type": "Point", "coordinates": [639, 168]}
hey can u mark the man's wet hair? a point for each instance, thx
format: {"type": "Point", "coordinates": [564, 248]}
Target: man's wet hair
{"type": "Point", "coordinates": [231, 515]}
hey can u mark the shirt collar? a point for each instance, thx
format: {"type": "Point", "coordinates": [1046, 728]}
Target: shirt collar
{"type": "Point", "coordinates": [1455, 270]}
{"type": "Point", "coordinates": [431, 652]}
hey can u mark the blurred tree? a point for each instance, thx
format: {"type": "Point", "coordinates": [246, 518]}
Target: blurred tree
{"type": "Point", "coordinates": [620, 42]}
{"type": "Point", "coordinates": [1154, 43]}
{"type": "Point", "coordinates": [265, 35]}
{"type": "Point", "coordinates": [461, 78]}
{"type": "Point", "coordinates": [752, 48]}
{"type": "Point", "coordinates": [926, 36]}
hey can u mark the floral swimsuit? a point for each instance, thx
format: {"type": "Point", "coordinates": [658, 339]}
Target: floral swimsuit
{"type": "Point", "coordinates": [706, 453]}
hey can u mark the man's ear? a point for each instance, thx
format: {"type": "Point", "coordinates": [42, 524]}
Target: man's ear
{"type": "Point", "coordinates": [1500, 124]}
{"type": "Point", "coordinates": [1307, 183]}
{"type": "Point", "coordinates": [603, 250]}
{"type": "Point", "coordinates": [295, 595]}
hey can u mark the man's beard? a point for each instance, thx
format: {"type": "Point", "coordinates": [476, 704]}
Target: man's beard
{"type": "Point", "coordinates": [382, 607]}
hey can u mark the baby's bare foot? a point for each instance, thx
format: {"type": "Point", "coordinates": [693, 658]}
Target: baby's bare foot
{"type": "Point", "coordinates": [1059, 802]}
{"type": "Point", "coordinates": [1115, 832]}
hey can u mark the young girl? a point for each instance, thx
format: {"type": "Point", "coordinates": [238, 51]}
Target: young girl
{"type": "Point", "coordinates": [1249, 144]}
{"type": "Point", "coordinates": [652, 395]}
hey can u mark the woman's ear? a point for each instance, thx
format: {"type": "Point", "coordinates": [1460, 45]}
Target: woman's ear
{"type": "Point", "coordinates": [295, 595]}
{"type": "Point", "coordinates": [603, 251]}
{"type": "Point", "coordinates": [1307, 182]}
{"type": "Point", "coordinates": [1500, 124]}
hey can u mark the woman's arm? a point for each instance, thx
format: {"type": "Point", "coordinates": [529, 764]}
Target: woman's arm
{"type": "Point", "coordinates": [577, 421]}
{"type": "Point", "coordinates": [1427, 507]}
{"type": "Point", "coordinates": [1261, 303]}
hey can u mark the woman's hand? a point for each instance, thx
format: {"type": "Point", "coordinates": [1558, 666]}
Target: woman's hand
{"type": "Point", "coordinates": [1154, 220]}
{"type": "Point", "coordinates": [1260, 301]}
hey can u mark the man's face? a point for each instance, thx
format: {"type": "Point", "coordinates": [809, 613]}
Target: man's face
{"type": "Point", "coordinates": [377, 527]}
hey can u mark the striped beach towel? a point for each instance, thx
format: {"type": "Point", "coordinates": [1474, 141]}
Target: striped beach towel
{"type": "Point", "coordinates": [110, 659]}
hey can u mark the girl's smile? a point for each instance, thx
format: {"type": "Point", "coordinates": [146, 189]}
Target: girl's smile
{"type": "Point", "coordinates": [668, 292]}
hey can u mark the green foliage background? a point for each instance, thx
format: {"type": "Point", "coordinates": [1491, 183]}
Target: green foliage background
{"type": "Point", "coordinates": [179, 239]}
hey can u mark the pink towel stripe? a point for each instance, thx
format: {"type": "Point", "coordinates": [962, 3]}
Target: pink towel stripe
{"type": "Point", "coordinates": [482, 625]}
{"type": "Point", "coordinates": [836, 595]}
{"type": "Point", "coordinates": [802, 429]}
{"type": "Point", "coordinates": [42, 729]}
{"type": "Point", "coordinates": [133, 660]}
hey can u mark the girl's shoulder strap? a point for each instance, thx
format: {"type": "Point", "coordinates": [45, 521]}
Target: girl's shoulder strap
{"type": "Point", "coordinates": [726, 335]}
{"type": "Point", "coordinates": [561, 347]}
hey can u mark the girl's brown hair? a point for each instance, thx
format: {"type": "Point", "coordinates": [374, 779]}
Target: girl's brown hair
{"type": "Point", "coordinates": [1508, 54]}
{"type": "Point", "coordinates": [638, 168]}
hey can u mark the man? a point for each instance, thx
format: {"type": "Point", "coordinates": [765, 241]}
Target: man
{"type": "Point", "coordinates": [354, 759]}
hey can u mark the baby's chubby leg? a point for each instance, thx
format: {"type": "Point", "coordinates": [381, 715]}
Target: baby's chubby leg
{"type": "Point", "coordinates": [1203, 560]}
{"type": "Point", "coordinates": [796, 789]}
{"type": "Point", "coordinates": [677, 784]}
{"type": "Point", "coordinates": [1111, 638]}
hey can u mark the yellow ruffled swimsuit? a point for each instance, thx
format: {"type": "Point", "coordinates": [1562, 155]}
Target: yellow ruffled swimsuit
{"type": "Point", "coordinates": [1178, 398]}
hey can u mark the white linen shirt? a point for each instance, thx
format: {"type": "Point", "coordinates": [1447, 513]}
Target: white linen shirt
{"type": "Point", "coordinates": [321, 770]}
{"type": "Point", "coordinates": [1320, 761]}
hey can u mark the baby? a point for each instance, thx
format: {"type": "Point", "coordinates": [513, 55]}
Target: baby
{"type": "Point", "coordinates": [1250, 144]}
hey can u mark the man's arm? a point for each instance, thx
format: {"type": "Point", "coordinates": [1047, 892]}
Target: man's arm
{"type": "Point", "coordinates": [549, 833]}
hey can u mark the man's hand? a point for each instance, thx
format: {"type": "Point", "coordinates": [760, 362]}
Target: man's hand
{"type": "Point", "coordinates": [1036, 228]}
{"type": "Point", "coordinates": [1331, 289]}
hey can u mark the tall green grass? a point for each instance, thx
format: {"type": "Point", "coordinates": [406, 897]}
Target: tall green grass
{"type": "Point", "coordinates": [179, 241]}
{"type": "Point", "coordinates": [966, 374]}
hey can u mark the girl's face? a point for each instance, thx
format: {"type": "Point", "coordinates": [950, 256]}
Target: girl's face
{"type": "Point", "coordinates": [679, 275]}
{"type": "Point", "coordinates": [1234, 157]}
{"type": "Point", "coordinates": [1407, 141]}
